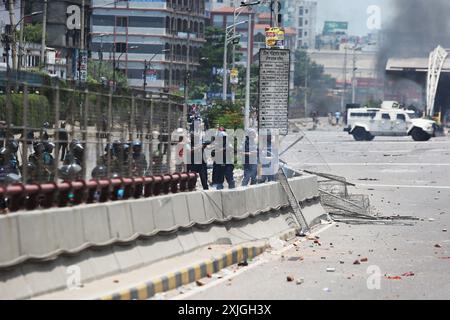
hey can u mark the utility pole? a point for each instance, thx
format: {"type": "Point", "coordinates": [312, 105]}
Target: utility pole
{"type": "Point", "coordinates": [145, 75]}
{"type": "Point", "coordinates": [306, 84]}
{"type": "Point", "coordinates": [345, 81]}
{"type": "Point", "coordinates": [172, 49]}
{"type": "Point", "coordinates": [13, 33]}
{"type": "Point", "coordinates": [187, 74]}
{"type": "Point", "coordinates": [248, 74]}
{"type": "Point", "coordinates": [44, 32]}
{"type": "Point", "coordinates": [82, 25]}
{"type": "Point", "coordinates": [224, 76]}
{"type": "Point", "coordinates": [233, 90]}
{"type": "Point", "coordinates": [354, 76]}
{"type": "Point", "coordinates": [22, 14]}
{"type": "Point", "coordinates": [275, 9]}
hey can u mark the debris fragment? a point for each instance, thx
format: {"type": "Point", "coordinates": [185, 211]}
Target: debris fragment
{"type": "Point", "coordinates": [243, 264]}
{"type": "Point", "coordinates": [408, 274]}
{"type": "Point", "coordinates": [327, 289]}
{"type": "Point", "coordinates": [356, 262]}
{"type": "Point", "coordinates": [341, 262]}
{"type": "Point", "coordinates": [199, 283]}
{"type": "Point", "coordinates": [116, 281]}
{"type": "Point", "coordinates": [364, 260]}
{"type": "Point", "coordinates": [444, 230]}
{"type": "Point", "coordinates": [300, 281]}
{"type": "Point", "coordinates": [437, 245]}
{"type": "Point", "coordinates": [331, 269]}
{"type": "Point", "coordinates": [289, 278]}
{"type": "Point", "coordinates": [394, 278]}
{"type": "Point", "coordinates": [276, 243]}
{"type": "Point", "coordinates": [431, 219]}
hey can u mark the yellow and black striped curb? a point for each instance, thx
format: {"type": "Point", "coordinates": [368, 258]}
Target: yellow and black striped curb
{"type": "Point", "coordinates": [185, 276]}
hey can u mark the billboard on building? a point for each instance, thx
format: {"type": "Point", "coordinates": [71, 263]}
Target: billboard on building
{"type": "Point", "coordinates": [335, 27]}
{"type": "Point", "coordinates": [80, 65]}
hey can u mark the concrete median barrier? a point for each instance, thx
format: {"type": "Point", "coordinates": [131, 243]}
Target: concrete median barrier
{"type": "Point", "coordinates": [9, 234]}
{"type": "Point", "coordinates": [67, 238]}
{"type": "Point", "coordinates": [142, 216]}
{"type": "Point", "coordinates": [106, 239]}
{"type": "Point", "coordinates": [95, 223]}
{"type": "Point", "coordinates": [36, 233]}
{"type": "Point", "coordinates": [119, 220]}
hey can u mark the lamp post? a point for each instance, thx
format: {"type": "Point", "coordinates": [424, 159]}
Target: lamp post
{"type": "Point", "coordinates": [236, 13]}
{"type": "Point", "coordinates": [249, 59]}
{"type": "Point", "coordinates": [148, 64]}
{"type": "Point", "coordinates": [100, 55]}
{"type": "Point", "coordinates": [118, 60]}
{"type": "Point", "coordinates": [229, 37]}
{"type": "Point", "coordinates": [13, 34]}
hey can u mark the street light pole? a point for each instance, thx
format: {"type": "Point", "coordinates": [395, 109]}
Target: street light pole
{"type": "Point", "coordinates": [145, 74]}
{"type": "Point", "coordinates": [247, 76]}
{"type": "Point", "coordinates": [224, 76]}
{"type": "Point", "coordinates": [354, 76]}
{"type": "Point", "coordinates": [44, 33]}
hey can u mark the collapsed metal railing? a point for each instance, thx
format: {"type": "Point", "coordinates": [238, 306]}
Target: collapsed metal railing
{"type": "Point", "coordinates": [45, 196]}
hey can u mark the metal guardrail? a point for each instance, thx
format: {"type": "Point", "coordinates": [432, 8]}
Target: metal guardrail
{"type": "Point", "coordinates": [47, 195]}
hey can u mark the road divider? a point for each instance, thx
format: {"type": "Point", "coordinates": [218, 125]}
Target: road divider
{"type": "Point", "coordinates": [117, 236]}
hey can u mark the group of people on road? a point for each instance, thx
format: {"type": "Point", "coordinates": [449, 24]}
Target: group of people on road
{"type": "Point", "coordinates": [221, 149]}
{"type": "Point", "coordinates": [121, 159]}
{"type": "Point", "coordinates": [40, 166]}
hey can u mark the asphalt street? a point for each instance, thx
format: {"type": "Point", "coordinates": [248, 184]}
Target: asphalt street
{"type": "Point", "coordinates": [402, 177]}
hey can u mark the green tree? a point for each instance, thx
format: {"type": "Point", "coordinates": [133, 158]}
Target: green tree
{"type": "Point", "coordinates": [97, 71]}
{"type": "Point", "coordinates": [32, 33]}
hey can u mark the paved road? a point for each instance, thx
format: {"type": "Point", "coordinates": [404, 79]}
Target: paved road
{"type": "Point", "coordinates": [402, 177]}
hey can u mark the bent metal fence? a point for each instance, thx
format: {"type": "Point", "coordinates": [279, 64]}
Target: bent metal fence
{"type": "Point", "coordinates": [54, 134]}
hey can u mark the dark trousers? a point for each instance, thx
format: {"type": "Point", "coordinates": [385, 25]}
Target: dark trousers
{"type": "Point", "coordinates": [250, 173]}
{"type": "Point", "coordinates": [202, 171]}
{"type": "Point", "coordinates": [224, 171]}
{"type": "Point", "coordinates": [62, 150]}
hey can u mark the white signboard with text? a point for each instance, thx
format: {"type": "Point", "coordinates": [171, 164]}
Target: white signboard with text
{"type": "Point", "coordinates": [274, 76]}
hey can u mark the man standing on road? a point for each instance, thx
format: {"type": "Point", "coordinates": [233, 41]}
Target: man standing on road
{"type": "Point", "coordinates": [63, 139]}
{"type": "Point", "coordinates": [223, 161]}
{"type": "Point", "coordinates": [338, 117]}
{"type": "Point", "coordinates": [250, 158]}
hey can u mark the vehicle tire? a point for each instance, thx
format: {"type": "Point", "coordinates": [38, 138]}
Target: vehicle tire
{"type": "Point", "coordinates": [419, 135]}
{"type": "Point", "coordinates": [369, 137]}
{"type": "Point", "coordinates": [359, 134]}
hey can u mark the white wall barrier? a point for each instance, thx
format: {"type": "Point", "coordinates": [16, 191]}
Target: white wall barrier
{"type": "Point", "coordinates": [105, 239]}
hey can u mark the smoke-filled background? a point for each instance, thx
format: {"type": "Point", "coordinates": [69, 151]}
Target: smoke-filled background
{"type": "Point", "coordinates": [417, 27]}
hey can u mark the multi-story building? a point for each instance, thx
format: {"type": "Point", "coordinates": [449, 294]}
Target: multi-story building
{"type": "Point", "coordinates": [4, 22]}
{"type": "Point", "coordinates": [62, 41]}
{"type": "Point", "coordinates": [223, 17]}
{"type": "Point", "coordinates": [302, 16]}
{"type": "Point", "coordinates": [165, 34]}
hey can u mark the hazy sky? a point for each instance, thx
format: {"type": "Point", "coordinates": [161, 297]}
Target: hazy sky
{"type": "Point", "coordinates": [353, 11]}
